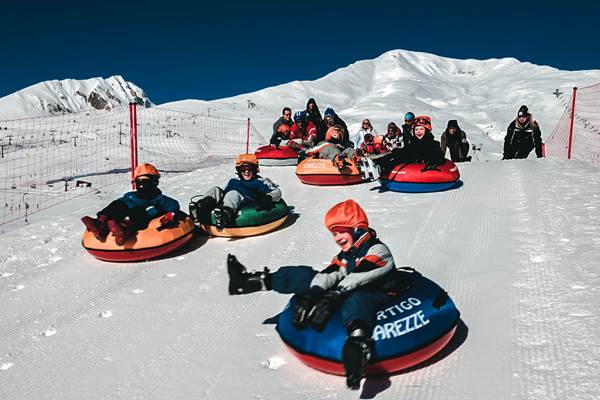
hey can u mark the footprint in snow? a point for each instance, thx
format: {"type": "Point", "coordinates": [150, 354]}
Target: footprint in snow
{"type": "Point", "coordinates": [106, 314]}
{"type": "Point", "coordinates": [536, 259]}
{"type": "Point", "coordinates": [18, 288]}
{"type": "Point", "coordinates": [274, 363]}
{"type": "Point", "coordinates": [137, 291]}
{"type": "Point", "coordinates": [170, 275]}
{"type": "Point", "coordinates": [6, 366]}
{"type": "Point", "coordinates": [49, 332]}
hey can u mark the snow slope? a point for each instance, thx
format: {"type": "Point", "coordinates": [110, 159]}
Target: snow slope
{"type": "Point", "coordinates": [70, 96]}
{"type": "Point", "coordinates": [517, 248]}
{"type": "Point", "coordinates": [483, 95]}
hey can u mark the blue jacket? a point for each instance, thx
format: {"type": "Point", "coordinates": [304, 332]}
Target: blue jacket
{"type": "Point", "coordinates": [155, 206]}
{"type": "Point", "coordinates": [254, 187]}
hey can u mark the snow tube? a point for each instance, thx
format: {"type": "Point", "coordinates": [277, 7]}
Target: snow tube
{"type": "Point", "coordinates": [276, 155]}
{"type": "Point", "coordinates": [409, 178]}
{"type": "Point", "coordinates": [316, 171]}
{"type": "Point", "coordinates": [151, 242]}
{"type": "Point", "coordinates": [411, 329]}
{"type": "Point", "coordinates": [250, 221]}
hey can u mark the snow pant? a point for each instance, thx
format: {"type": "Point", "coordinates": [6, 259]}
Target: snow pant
{"type": "Point", "coordinates": [388, 161]}
{"type": "Point", "coordinates": [118, 211]}
{"type": "Point", "coordinates": [518, 152]}
{"type": "Point", "coordinates": [459, 152]}
{"type": "Point", "coordinates": [330, 152]}
{"type": "Point", "coordinates": [359, 307]}
{"type": "Point", "coordinates": [232, 199]}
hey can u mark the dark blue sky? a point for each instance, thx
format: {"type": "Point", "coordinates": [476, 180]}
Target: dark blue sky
{"type": "Point", "coordinates": [176, 50]}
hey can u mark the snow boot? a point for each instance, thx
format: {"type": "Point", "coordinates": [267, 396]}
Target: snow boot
{"type": "Point", "coordinates": [242, 282]}
{"type": "Point", "coordinates": [224, 216]}
{"type": "Point", "coordinates": [368, 169]}
{"type": "Point", "coordinates": [340, 162]}
{"type": "Point", "coordinates": [356, 353]}
{"type": "Point", "coordinates": [98, 226]}
{"type": "Point", "coordinates": [200, 209]}
{"type": "Point", "coordinates": [122, 231]}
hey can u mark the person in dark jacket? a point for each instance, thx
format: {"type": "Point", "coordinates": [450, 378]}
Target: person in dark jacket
{"type": "Point", "coordinates": [455, 139]}
{"type": "Point", "coordinates": [409, 119]}
{"type": "Point", "coordinates": [127, 215]}
{"type": "Point", "coordinates": [331, 119]}
{"type": "Point", "coordinates": [247, 187]}
{"type": "Point", "coordinates": [522, 136]}
{"type": "Point", "coordinates": [303, 132]}
{"type": "Point", "coordinates": [314, 115]}
{"type": "Point", "coordinates": [394, 138]}
{"type": "Point", "coordinates": [286, 118]}
{"type": "Point", "coordinates": [423, 148]}
{"type": "Point", "coordinates": [360, 279]}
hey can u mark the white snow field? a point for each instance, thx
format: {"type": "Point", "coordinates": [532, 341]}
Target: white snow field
{"type": "Point", "coordinates": [517, 248]}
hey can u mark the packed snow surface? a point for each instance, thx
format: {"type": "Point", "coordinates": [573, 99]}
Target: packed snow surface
{"type": "Point", "coordinates": [517, 248]}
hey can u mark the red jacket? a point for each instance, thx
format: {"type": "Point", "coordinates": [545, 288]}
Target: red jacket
{"type": "Point", "coordinates": [309, 134]}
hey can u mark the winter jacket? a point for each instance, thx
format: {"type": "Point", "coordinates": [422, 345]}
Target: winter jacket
{"type": "Point", "coordinates": [520, 140]}
{"type": "Point", "coordinates": [253, 188]}
{"type": "Point", "coordinates": [370, 148]}
{"type": "Point", "coordinates": [368, 264]}
{"type": "Point", "coordinates": [426, 150]}
{"type": "Point", "coordinates": [359, 136]}
{"type": "Point", "coordinates": [280, 122]}
{"type": "Point", "coordinates": [457, 143]}
{"type": "Point", "coordinates": [396, 141]}
{"type": "Point", "coordinates": [338, 121]}
{"type": "Point", "coordinates": [308, 135]}
{"type": "Point", "coordinates": [314, 116]}
{"type": "Point", "coordinates": [155, 205]}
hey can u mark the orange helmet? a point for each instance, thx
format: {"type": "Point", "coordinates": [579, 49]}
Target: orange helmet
{"type": "Point", "coordinates": [283, 128]}
{"type": "Point", "coordinates": [145, 169]}
{"type": "Point", "coordinates": [424, 121]}
{"type": "Point", "coordinates": [332, 130]}
{"type": "Point", "coordinates": [242, 159]}
{"type": "Point", "coordinates": [347, 214]}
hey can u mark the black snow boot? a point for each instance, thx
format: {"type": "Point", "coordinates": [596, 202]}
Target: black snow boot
{"type": "Point", "coordinates": [356, 353]}
{"type": "Point", "coordinates": [200, 209]}
{"type": "Point", "coordinates": [242, 282]}
{"type": "Point", "coordinates": [224, 216]}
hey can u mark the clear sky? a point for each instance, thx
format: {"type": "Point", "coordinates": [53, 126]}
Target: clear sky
{"type": "Point", "coordinates": [193, 49]}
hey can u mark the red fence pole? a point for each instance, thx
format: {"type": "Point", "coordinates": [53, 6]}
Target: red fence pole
{"type": "Point", "coordinates": [248, 135]}
{"type": "Point", "coordinates": [131, 143]}
{"type": "Point", "coordinates": [135, 135]}
{"type": "Point", "coordinates": [572, 121]}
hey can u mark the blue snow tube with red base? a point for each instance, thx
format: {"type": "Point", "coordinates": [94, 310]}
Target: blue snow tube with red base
{"type": "Point", "coordinates": [412, 328]}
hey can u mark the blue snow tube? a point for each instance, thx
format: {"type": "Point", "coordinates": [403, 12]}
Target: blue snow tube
{"type": "Point", "coordinates": [411, 329]}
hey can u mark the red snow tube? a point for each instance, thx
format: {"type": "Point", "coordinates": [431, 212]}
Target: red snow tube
{"type": "Point", "coordinates": [411, 178]}
{"type": "Point", "coordinates": [315, 171]}
{"type": "Point", "coordinates": [149, 243]}
{"type": "Point", "coordinates": [277, 155]}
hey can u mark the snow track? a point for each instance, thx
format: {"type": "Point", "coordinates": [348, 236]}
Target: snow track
{"type": "Point", "coordinates": [517, 248]}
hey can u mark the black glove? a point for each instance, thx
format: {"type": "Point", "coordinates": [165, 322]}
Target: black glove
{"type": "Point", "coordinates": [325, 308]}
{"type": "Point", "coordinates": [302, 155]}
{"type": "Point", "coordinates": [304, 306]}
{"type": "Point", "coordinates": [265, 202]}
{"type": "Point", "coordinates": [430, 167]}
{"type": "Point", "coordinates": [275, 141]}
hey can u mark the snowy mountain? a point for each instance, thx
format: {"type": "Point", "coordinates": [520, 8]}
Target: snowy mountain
{"type": "Point", "coordinates": [483, 95]}
{"type": "Point", "coordinates": [70, 96]}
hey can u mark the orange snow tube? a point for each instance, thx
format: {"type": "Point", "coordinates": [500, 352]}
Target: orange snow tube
{"type": "Point", "coordinates": [151, 242]}
{"type": "Point", "coordinates": [322, 172]}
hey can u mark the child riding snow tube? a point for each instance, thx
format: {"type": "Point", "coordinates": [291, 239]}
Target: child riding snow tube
{"type": "Point", "coordinates": [272, 155]}
{"type": "Point", "coordinates": [411, 329]}
{"type": "Point", "coordinates": [154, 241]}
{"type": "Point", "coordinates": [322, 172]}
{"type": "Point", "coordinates": [417, 178]}
{"type": "Point", "coordinates": [250, 221]}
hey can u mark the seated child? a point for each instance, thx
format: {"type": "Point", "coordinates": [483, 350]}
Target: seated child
{"type": "Point", "coordinates": [132, 212]}
{"type": "Point", "coordinates": [359, 281]}
{"type": "Point", "coordinates": [247, 187]}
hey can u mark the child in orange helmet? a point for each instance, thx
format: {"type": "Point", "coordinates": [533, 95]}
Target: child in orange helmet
{"type": "Point", "coordinates": [358, 281]}
{"type": "Point", "coordinates": [248, 186]}
{"type": "Point", "coordinates": [132, 212]}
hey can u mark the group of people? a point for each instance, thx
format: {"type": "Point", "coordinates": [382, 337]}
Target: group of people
{"type": "Point", "coordinates": [328, 136]}
{"type": "Point", "coordinates": [362, 277]}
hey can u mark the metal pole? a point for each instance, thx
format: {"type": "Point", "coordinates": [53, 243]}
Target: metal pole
{"type": "Point", "coordinates": [572, 121]}
{"type": "Point", "coordinates": [135, 137]}
{"type": "Point", "coordinates": [248, 135]}
{"type": "Point", "coordinates": [131, 142]}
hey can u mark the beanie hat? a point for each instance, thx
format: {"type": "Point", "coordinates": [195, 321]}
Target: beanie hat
{"type": "Point", "coordinates": [347, 214]}
{"type": "Point", "coordinates": [523, 111]}
{"type": "Point", "coordinates": [329, 112]}
{"type": "Point", "coordinates": [392, 125]}
{"type": "Point", "coordinates": [452, 124]}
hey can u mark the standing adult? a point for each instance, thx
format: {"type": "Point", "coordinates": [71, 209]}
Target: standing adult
{"type": "Point", "coordinates": [522, 136]}
{"type": "Point", "coordinates": [455, 139]}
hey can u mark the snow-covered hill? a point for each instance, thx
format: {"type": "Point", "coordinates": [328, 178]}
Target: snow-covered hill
{"type": "Point", "coordinates": [483, 95]}
{"type": "Point", "coordinates": [70, 96]}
